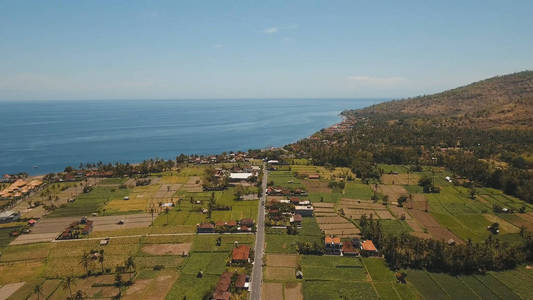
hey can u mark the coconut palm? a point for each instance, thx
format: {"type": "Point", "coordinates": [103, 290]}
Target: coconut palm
{"type": "Point", "coordinates": [85, 260]}
{"type": "Point", "coordinates": [130, 264]}
{"type": "Point", "coordinates": [101, 259]}
{"type": "Point", "coordinates": [38, 291]}
{"type": "Point", "coordinates": [67, 284]}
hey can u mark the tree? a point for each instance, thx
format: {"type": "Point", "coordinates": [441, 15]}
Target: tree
{"type": "Point", "coordinates": [67, 284]}
{"type": "Point", "coordinates": [38, 291]}
{"type": "Point", "coordinates": [101, 259]}
{"type": "Point", "coordinates": [130, 264]}
{"type": "Point", "coordinates": [84, 261]}
{"type": "Point", "coordinates": [79, 295]}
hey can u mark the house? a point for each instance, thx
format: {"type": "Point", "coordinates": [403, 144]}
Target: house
{"type": "Point", "coordinates": [333, 245]}
{"type": "Point", "coordinates": [313, 176]}
{"type": "Point", "coordinates": [240, 176]}
{"type": "Point", "coordinates": [9, 216]}
{"type": "Point", "coordinates": [296, 219]}
{"type": "Point", "coordinates": [368, 248]}
{"type": "Point", "coordinates": [273, 162]}
{"type": "Point", "coordinates": [232, 223]}
{"type": "Point", "coordinates": [247, 222]}
{"type": "Point", "coordinates": [240, 254]}
{"type": "Point", "coordinates": [222, 287]}
{"type": "Point", "coordinates": [242, 281]}
{"type": "Point", "coordinates": [349, 250]}
{"type": "Point", "coordinates": [220, 224]}
{"type": "Point", "coordinates": [32, 222]}
{"type": "Point", "coordinates": [304, 210]}
{"type": "Point", "coordinates": [205, 228]}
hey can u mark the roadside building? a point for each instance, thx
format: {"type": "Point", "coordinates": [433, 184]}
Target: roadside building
{"type": "Point", "coordinates": [333, 245]}
{"type": "Point", "coordinates": [247, 222]}
{"type": "Point", "coordinates": [205, 228]}
{"type": "Point", "coordinates": [241, 254]}
{"type": "Point", "coordinates": [313, 176]}
{"type": "Point", "coordinates": [304, 210]}
{"type": "Point", "coordinates": [242, 282]}
{"type": "Point", "coordinates": [240, 176]}
{"type": "Point", "coordinates": [349, 250]}
{"type": "Point", "coordinates": [368, 248]}
{"type": "Point", "coordinates": [9, 216]}
{"type": "Point", "coordinates": [296, 219]}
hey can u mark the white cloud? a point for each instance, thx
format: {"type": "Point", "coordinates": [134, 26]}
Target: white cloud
{"type": "Point", "coordinates": [381, 81]}
{"type": "Point", "coordinates": [271, 30]}
{"type": "Point", "coordinates": [218, 46]}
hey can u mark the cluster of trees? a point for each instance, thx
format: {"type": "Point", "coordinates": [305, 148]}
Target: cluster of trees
{"type": "Point", "coordinates": [398, 139]}
{"type": "Point", "coordinates": [407, 251]}
{"type": "Point", "coordinates": [309, 248]}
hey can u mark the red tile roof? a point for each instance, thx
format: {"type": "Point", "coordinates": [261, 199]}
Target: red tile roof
{"type": "Point", "coordinates": [332, 240]}
{"type": "Point", "coordinates": [206, 225]}
{"type": "Point", "coordinates": [348, 248]}
{"type": "Point", "coordinates": [368, 246]}
{"type": "Point", "coordinates": [220, 223]}
{"type": "Point", "coordinates": [224, 282]}
{"type": "Point", "coordinates": [231, 223]}
{"type": "Point", "coordinates": [241, 253]}
{"type": "Point", "coordinates": [241, 280]}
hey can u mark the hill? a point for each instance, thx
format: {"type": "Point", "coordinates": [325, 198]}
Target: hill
{"type": "Point", "coordinates": [499, 102]}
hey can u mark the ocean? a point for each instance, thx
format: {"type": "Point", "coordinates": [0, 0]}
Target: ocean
{"type": "Point", "coordinates": [39, 137]}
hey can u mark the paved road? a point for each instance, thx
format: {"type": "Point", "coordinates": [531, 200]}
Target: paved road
{"type": "Point", "coordinates": [257, 271]}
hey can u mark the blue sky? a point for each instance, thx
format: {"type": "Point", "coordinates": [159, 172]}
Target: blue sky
{"type": "Point", "coordinates": [256, 49]}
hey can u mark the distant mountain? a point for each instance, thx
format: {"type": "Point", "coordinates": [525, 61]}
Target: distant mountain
{"type": "Point", "coordinates": [499, 102]}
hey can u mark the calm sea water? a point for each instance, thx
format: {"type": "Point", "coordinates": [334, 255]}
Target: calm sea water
{"type": "Point", "coordinates": [54, 134]}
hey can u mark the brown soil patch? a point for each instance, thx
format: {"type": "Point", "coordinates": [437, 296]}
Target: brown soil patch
{"type": "Point", "coordinates": [393, 191]}
{"type": "Point", "coordinates": [167, 249]}
{"type": "Point", "coordinates": [384, 214]}
{"type": "Point", "coordinates": [330, 220]}
{"type": "Point", "coordinates": [343, 232]}
{"type": "Point", "coordinates": [421, 235]}
{"type": "Point", "coordinates": [324, 210]}
{"type": "Point", "coordinates": [323, 204]}
{"type": "Point", "coordinates": [346, 225]}
{"type": "Point", "coordinates": [400, 179]}
{"type": "Point", "coordinates": [293, 291]}
{"type": "Point", "coordinates": [272, 291]}
{"type": "Point", "coordinates": [192, 185]}
{"type": "Point", "coordinates": [152, 289]}
{"type": "Point", "coordinates": [282, 260]}
{"type": "Point", "coordinates": [399, 211]}
{"type": "Point", "coordinates": [316, 186]}
{"type": "Point", "coordinates": [434, 228]}
{"type": "Point", "coordinates": [276, 198]}
{"type": "Point", "coordinates": [332, 214]}
{"type": "Point", "coordinates": [10, 288]}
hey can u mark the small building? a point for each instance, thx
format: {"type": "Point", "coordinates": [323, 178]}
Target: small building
{"type": "Point", "coordinates": [242, 282]}
{"type": "Point", "coordinates": [32, 222]}
{"type": "Point", "coordinates": [299, 274]}
{"type": "Point", "coordinates": [240, 254]}
{"type": "Point", "coordinates": [273, 162]}
{"type": "Point", "coordinates": [247, 222]}
{"type": "Point", "coordinates": [349, 250]}
{"type": "Point", "coordinates": [313, 176]}
{"type": "Point", "coordinates": [9, 216]}
{"type": "Point", "coordinates": [240, 176]}
{"type": "Point", "coordinates": [333, 245]}
{"type": "Point", "coordinates": [205, 228]}
{"type": "Point", "coordinates": [296, 219]}
{"type": "Point", "coordinates": [368, 248]}
{"type": "Point", "coordinates": [304, 210]}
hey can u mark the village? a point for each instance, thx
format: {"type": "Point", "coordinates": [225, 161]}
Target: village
{"type": "Point", "coordinates": [162, 230]}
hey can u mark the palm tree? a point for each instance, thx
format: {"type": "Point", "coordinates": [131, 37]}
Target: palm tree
{"type": "Point", "coordinates": [67, 284]}
{"type": "Point", "coordinates": [85, 260]}
{"type": "Point", "coordinates": [79, 295]}
{"type": "Point", "coordinates": [37, 290]}
{"type": "Point", "coordinates": [101, 259]}
{"type": "Point", "coordinates": [130, 264]}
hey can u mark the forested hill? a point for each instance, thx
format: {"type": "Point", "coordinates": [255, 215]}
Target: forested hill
{"type": "Point", "coordinates": [499, 102]}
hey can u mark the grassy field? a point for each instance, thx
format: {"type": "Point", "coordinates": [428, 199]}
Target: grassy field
{"type": "Point", "coordinates": [335, 290]}
{"type": "Point", "coordinates": [86, 204]}
{"type": "Point", "coordinates": [278, 241]}
{"type": "Point", "coordinates": [285, 179]}
{"type": "Point", "coordinates": [357, 191]}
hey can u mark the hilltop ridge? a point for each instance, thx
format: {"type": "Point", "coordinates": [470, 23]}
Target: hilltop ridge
{"type": "Point", "coordinates": [499, 102]}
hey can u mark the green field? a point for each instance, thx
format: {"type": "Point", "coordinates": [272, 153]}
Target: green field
{"type": "Point", "coordinates": [278, 241]}
{"type": "Point", "coordinates": [86, 204]}
{"type": "Point", "coordinates": [335, 290]}
{"type": "Point", "coordinates": [359, 191]}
